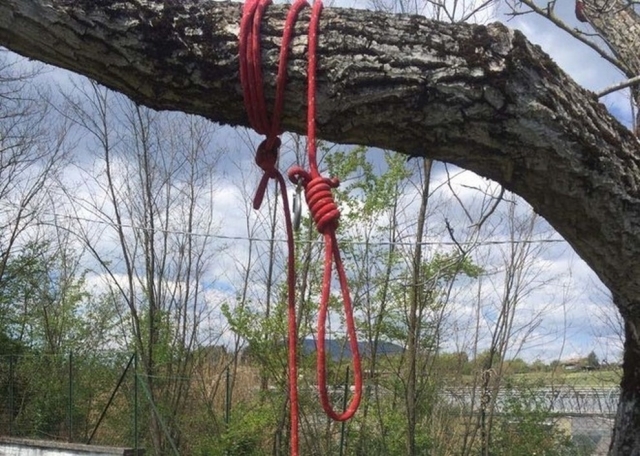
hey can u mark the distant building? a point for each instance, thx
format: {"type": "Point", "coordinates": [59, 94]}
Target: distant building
{"type": "Point", "coordinates": [572, 364]}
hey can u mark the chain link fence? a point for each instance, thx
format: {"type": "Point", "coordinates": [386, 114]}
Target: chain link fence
{"type": "Point", "coordinates": [581, 417]}
{"type": "Point", "coordinates": [79, 399]}
{"type": "Point", "coordinates": [98, 399]}
{"type": "Point", "coordinates": [104, 399]}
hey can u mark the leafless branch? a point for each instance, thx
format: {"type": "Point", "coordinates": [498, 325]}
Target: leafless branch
{"type": "Point", "coordinates": [549, 14]}
{"type": "Point", "coordinates": [619, 86]}
{"type": "Point", "coordinates": [455, 195]}
{"type": "Point", "coordinates": [492, 209]}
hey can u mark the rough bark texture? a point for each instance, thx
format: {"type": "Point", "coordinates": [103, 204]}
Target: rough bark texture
{"type": "Point", "coordinates": [626, 432]}
{"type": "Point", "coordinates": [481, 97]}
{"type": "Point", "coordinates": [618, 24]}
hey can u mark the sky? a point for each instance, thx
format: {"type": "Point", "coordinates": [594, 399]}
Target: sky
{"type": "Point", "coordinates": [570, 307]}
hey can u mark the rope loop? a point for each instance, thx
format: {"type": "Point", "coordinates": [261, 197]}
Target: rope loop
{"type": "Point", "coordinates": [318, 193]}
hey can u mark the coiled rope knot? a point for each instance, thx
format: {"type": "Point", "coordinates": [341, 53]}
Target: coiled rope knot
{"type": "Point", "coordinates": [317, 192]}
{"type": "Point", "coordinates": [266, 159]}
{"type": "Point", "coordinates": [267, 155]}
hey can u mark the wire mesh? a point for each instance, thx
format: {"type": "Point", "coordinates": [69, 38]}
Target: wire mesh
{"type": "Point", "coordinates": [64, 397]}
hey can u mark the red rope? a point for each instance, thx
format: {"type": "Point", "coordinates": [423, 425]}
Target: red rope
{"type": "Point", "coordinates": [317, 192]}
{"type": "Point", "coordinates": [267, 156]}
{"type": "Point", "coordinates": [325, 213]}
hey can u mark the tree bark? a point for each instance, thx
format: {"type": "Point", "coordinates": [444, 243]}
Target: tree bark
{"type": "Point", "coordinates": [481, 97]}
{"type": "Point", "coordinates": [618, 24]}
{"type": "Point", "coordinates": [626, 431]}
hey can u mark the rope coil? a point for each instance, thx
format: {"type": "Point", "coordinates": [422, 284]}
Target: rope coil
{"type": "Point", "coordinates": [319, 197]}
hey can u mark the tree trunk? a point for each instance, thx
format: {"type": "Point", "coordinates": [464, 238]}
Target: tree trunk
{"type": "Point", "coordinates": [415, 321]}
{"type": "Point", "coordinates": [481, 97]}
{"type": "Point", "coordinates": [618, 24]}
{"type": "Point", "coordinates": [626, 431]}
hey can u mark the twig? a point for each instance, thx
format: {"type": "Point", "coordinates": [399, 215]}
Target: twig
{"type": "Point", "coordinates": [453, 238]}
{"type": "Point", "coordinates": [492, 209]}
{"type": "Point", "coordinates": [455, 195]}
{"type": "Point", "coordinates": [619, 86]}
{"type": "Point", "coordinates": [577, 34]}
{"type": "Point", "coordinates": [475, 10]}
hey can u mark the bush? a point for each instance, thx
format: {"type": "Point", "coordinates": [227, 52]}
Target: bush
{"type": "Point", "coordinates": [249, 433]}
{"type": "Point", "coordinates": [526, 428]}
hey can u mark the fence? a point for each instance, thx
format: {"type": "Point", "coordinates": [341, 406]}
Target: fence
{"type": "Point", "coordinates": [88, 399]}
{"type": "Point", "coordinates": [585, 414]}
{"type": "Point", "coordinates": [99, 399]}
{"type": "Point", "coordinates": [103, 399]}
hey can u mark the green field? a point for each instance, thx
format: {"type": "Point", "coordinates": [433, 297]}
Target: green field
{"type": "Point", "coordinates": [593, 379]}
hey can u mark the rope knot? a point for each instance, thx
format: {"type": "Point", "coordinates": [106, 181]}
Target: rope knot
{"type": "Point", "coordinates": [267, 155]}
{"type": "Point", "coordinates": [266, 159]}
{"type": "Point", "coordinates": [317, 192]}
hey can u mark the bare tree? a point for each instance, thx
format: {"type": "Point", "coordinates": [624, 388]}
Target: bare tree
{"type": "Point", "coordinates": [521, 273]}
{"type": "Point", "coordinates": [32, 151]}
{"type": "Point", "coordinates": [153, 200]}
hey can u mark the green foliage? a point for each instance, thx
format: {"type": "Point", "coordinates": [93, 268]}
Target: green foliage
{"type": "Point", "coordinates": [516, 366]}
{"type": "Point", "coordinates": [60, 396]}
{"type": "Point", "coordinates": [525, 428]}
{"type": "Point", "coordinates": [438, 274]}
{"type": "Point", "coordinates": [389, 437]}
{"type": "Point", "coordinates": [388, 440]}
{"type": "Point", "coordinates": [364, 190]}
{"type": "Point", "coordinates": [452, 364]}
{"type": "Point", "coordinates": [265, 336]}
{"type": "Point", "coordinates": [444, 267]}
{"type": "Point", "coordinates": [486, 359]}
{"type": "Point", "coordinates": [592, 362]}
{"type": "Point", "coordinates": [42, 298]}
{"type": "Point", "coordinates": [249, 433]}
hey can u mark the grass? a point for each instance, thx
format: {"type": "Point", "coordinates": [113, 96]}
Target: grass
{"type": "Point", "coordinates": [578, 379]}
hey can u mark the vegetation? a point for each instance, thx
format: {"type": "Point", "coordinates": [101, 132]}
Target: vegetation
{"type": "Point", "coordinates": [186, 393]}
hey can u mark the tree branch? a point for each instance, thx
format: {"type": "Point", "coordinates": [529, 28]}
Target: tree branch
{"type": "Point", "coordinates": [619, 86]}
{"type": "Point", "coordinates": [549, 14]}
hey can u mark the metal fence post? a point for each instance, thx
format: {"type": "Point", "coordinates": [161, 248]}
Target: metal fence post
{"type": "Point", "coordinates": [135, 402]}
{"type": "Point", "coordinates": [344, 408]}
{"type": "Point", "coordinates": [11, 393]}
{"type": "Point", "coordinates": [113, 395]}
{"type": "Point", "coordinates": [227, 398]}
{"type": "Point", "coordinates": [227, 402]}
{"type": "Point", "coordinates": [70, 400]}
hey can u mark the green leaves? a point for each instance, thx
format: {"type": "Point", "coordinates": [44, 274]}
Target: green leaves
{"type": "Point", "coordinates": [42, 296]}
{"type": "Point", "coordinates": [367, 189]}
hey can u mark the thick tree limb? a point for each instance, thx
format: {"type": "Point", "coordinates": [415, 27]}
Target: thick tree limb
{"type": "Point", "coordinates": [481, 97]}
{"type": "Point", "coordinates": [618, 25]}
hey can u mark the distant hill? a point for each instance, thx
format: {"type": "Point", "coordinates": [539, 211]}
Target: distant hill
{"type": "Point", "coordinates": [339, 349]}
